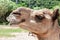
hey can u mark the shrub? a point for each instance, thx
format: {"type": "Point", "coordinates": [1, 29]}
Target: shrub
{"type": "Point", "coordinates": [6, 6]}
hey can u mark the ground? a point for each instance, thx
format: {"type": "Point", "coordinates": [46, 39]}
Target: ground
{"type": "Point", "coordinates": [14, 33]}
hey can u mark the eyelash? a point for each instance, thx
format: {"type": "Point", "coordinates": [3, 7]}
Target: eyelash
{"type": "Point", "coordinates": [39, 17]}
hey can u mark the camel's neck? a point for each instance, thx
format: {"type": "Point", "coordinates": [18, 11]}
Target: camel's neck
{"type": "Point", "coordinates": [52, 34]}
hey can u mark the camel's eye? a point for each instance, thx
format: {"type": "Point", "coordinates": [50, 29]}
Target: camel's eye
{"type": "Point", "coordinates": [17, 13]}
{"type": "Point", "coordinates": [38, 18]}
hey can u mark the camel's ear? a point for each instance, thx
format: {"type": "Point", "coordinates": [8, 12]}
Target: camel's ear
{"type": "Point", "coordinates": [55, 14]}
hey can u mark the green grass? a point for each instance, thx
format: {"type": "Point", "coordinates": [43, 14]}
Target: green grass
{"type": "Point", "coordinates": [7, 32]}
{"type": "Point", "coordinates": [10, 30]}
{"type": "Point", "coordinates": [6, 35]}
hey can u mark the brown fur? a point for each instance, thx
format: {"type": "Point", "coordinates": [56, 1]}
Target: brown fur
{"type": "Point", "coordinates": [42, 22]}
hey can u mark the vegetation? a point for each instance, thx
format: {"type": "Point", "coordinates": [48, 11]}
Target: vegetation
{"type": "Point", "coordinates": [7, 32]}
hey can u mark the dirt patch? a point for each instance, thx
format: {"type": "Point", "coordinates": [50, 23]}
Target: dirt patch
{"type": "Point", "coordinates": [20, 36]}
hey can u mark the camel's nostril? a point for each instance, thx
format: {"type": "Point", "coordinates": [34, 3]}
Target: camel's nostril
{"type": "Point", "coordinates": [23, 20]}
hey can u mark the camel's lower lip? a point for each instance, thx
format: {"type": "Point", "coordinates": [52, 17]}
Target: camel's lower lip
{"type": "Point", "coordinates": [16, 23]}
{"type": "Point", "coordinates": [13, 24]}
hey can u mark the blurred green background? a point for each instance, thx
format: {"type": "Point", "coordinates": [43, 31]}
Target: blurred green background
{"type": "Point", "coordinates": [6, 6]}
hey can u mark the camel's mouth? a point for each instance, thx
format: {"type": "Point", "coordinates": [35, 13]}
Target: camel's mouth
{"type": "Point", "coordinates": [17, 23]}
